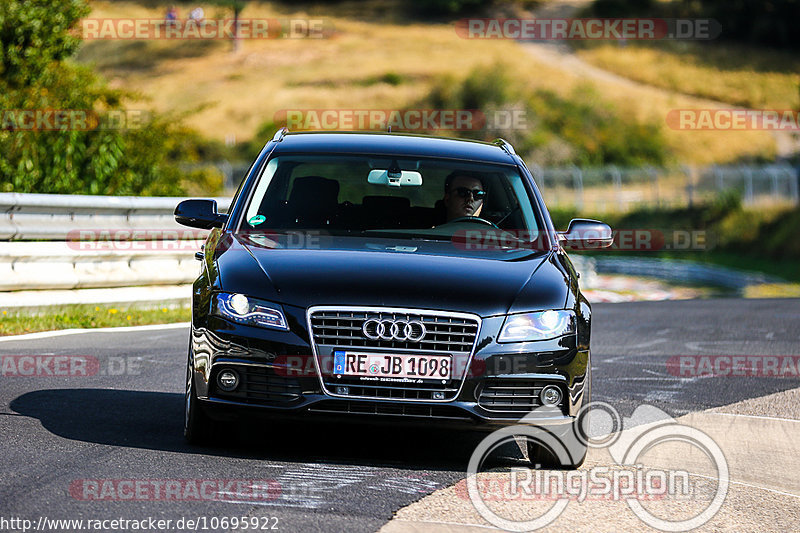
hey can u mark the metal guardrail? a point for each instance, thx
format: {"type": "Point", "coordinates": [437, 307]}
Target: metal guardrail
{"type": "Point", "coordinates": [54, 216]}
{"type": "Point", "coordinates": [64, 264]}
{"type": "Point", "coordinates": [611, 188]}
{"type": "Point", "coordinates": [60, 261]}
{"type": "Point", "coordinates": [675, 270]}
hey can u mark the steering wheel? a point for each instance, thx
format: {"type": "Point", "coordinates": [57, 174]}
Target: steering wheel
{"type": "Point", "coordinates": [477, 220]}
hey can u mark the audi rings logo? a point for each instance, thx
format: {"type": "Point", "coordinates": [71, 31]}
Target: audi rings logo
{"type": "Point", "coordinates": [394, 330]}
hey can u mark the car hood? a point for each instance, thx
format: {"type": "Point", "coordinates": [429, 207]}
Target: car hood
{"type": "Point", "coordinates": [381, 273]}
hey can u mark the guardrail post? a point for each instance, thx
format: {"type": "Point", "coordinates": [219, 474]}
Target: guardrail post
{"type": "Point", "coordinates": [748, 185]}
{"type": "Point", "coordinates": [794, 182]}
{"type": "Point", "coordinates": [617, 177]}
{"type": "Point", "coordinates": [538, 176]}
{"type": "Point", "coordinates": [577, 180]}
{"type": "Point", "coordinates": [689, 185]}
{"type": "Point", "coordinates": [654, 180]}
{"type": "Point", "coordinates": [773, 173]}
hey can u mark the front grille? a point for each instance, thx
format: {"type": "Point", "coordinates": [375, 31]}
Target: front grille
{"type": "Point", "coordinates": [259, 385]}
{"type": "Point", "coordinates": [445, 334]}
{"type": "Point", "coordinates": [510, 395]}
{"type": "Point", "coordinates": [388, 409]}
{"type": "Point", "coordinates": [450, 334]}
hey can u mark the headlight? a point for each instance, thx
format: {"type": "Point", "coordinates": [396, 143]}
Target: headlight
{"type": "Point", "coordinates": [537, 326]}
{"type": "Point", "coordinates": [250, 311]}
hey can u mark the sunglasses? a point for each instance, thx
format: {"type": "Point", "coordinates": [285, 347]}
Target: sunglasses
{"type": "Point", "coordinates": [463, 192]}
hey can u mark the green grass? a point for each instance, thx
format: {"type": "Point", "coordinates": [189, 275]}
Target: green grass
{"type": "Point", "coordinates": [783, 269]}
{"type": "Point", "coordinates": [16, 322]}
{"type": "Point", "coordinates": [735, 74]}
{"type": "Point", "coordinates": [759, 240]}
{"type": "Point", "coordinates": [114, 56]}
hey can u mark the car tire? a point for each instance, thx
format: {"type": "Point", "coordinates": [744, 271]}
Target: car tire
{"type": "Point", "coordinates": [576, 447]}
{"type": "Point", "coordinates": [197, 427]}
{"type": "Point", "coordinates": [541, 457]}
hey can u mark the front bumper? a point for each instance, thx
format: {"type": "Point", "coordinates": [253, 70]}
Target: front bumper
{"type": "Point", "coordinates": [279, 377]}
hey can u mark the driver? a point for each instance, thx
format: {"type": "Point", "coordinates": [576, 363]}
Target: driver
{"type": "Point", "coordinates": [463, 195]}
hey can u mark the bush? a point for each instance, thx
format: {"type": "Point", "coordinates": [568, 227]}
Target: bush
{"type": "Point", "coordinates": [140, 159]}
{"type": "Point", "coordinates": [750, 21]}
{"type": "Point", "coordinates": [582, 129]}
{"type": "Point", "coordinates": [447, 7]}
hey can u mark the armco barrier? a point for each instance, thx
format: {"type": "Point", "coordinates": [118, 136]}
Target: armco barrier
{"type": "Point", "coordinates": [57, 262]}
{"type": "Point", "coordinates": [53, 216]}
{"type": "Point", "coordinates": [60, 265]}
{"type": "Point", "coordinates": [679, 271]}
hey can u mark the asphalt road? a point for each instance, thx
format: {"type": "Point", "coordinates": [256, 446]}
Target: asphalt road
{"type": "Point", "coordinates": [62, 433]}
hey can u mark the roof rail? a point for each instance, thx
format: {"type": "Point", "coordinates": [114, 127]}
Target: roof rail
{"type": "Point", "coordinates": [278, 137]}
{"type": "Point", "coordinates": [505, 145]}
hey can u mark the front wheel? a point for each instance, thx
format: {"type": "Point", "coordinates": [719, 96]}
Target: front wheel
{"type": "Point", "coordinates": [571, 457]}
{"type": "Point", "coordinates": [574, 442]}
{"type": "Point", "coordinates": [197, 427]}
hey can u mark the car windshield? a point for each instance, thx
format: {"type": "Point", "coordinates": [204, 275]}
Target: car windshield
{"type": "Point", "coordinates": [403, 198]}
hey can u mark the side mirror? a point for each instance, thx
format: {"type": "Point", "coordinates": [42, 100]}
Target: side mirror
{"type": "Point", "coordinates": [199, 214]}
{"type": "Point", "coordinates": [586, 234]}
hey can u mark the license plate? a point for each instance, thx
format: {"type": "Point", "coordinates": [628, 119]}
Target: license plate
{"type": "Point", "coordinates": [392, 365]}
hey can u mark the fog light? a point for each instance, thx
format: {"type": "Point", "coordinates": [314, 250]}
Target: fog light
{"type": "Point", "coordinates": [438, 395]}
{"type": "Point", "coordinates": [228, 380]}
{"type": "Point", "coordinates": [550, 396]}
{"type": "Point", "coordinates": [344, 391]}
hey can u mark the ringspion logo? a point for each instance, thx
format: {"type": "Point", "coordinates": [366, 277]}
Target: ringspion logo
{"type": "Point", "coordinates": [629, 441]}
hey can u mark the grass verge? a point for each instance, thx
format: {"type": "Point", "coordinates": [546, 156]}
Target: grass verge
{"type": "Point", "coordinates": [16, 322]}
{"type": "Point", "coordinates": [734, 74]}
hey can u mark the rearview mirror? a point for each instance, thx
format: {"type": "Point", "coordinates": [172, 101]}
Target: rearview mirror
{"type": "Point", "coordinates": [586, 234]}
{"type": "Point", "coordinates": [395, 178]}
{"type": "Point", "coordinates": [199, 214]}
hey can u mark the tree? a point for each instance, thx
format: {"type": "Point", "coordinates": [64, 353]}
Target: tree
{"type": "Point", "coordinates": [237, 6]}
{"type": "Point", "coordinates": [35, 34]}
{"type": "Point", "coordinates": [36, 39]}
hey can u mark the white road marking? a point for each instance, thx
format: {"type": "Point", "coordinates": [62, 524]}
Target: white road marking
{"type": "Point", "coordinates": [760, 417]}
{"type": "Point", "coordinates": [461, 524]}
{"type": "Point", "coordinates": [695, 345]}
{"type": "Point", "coordinates": [742, 483]}
{"type": "Point", "coordinates": [75, 331]}
{"type": "Point", "coordinates": [646, 344]}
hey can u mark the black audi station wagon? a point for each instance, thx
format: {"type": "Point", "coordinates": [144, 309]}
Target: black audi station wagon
{"type": "Point", "coordinates": [384, 276]}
